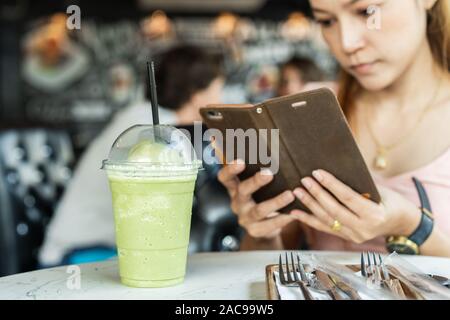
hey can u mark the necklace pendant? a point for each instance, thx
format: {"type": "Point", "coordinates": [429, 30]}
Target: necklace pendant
{"type": "Point", "coordinates": [380, 162]}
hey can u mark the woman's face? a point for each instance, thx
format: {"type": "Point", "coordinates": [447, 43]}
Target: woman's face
{"type": "Point", "coordinates": [373, 40]}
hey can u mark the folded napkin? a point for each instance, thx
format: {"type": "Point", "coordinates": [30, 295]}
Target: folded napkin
{"type": "Point", "coordinates": [295, 293]}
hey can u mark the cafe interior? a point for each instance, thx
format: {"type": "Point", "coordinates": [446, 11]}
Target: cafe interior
{"type": "Point", "coordinates": [55, 102]}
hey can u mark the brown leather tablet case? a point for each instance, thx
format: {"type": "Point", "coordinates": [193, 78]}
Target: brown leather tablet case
{"type": "Point", "coordinates": [313, 134]}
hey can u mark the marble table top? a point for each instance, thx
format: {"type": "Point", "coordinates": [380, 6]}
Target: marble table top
{"type": "Point", "coordinates": [237, 276]}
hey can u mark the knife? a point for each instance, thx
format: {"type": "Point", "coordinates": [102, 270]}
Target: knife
{"type": "Point", "coordinates": [352, 293]}
{"type": "Point", "coordinates": [328, 285]}
{"type": "Point", "coordinates": [442, 280]}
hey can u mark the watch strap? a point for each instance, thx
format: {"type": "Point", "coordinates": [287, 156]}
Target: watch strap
{"type": "Point", "coordinates": [423, 197]}
{"type": "Point", "coordinates": [423, 231]}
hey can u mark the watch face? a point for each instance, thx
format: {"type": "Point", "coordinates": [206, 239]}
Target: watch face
{"type": "Point", "coordinates": [401, 248]}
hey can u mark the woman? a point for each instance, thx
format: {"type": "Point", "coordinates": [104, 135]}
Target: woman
{"type": "Point", "coordinates": [395, 91]}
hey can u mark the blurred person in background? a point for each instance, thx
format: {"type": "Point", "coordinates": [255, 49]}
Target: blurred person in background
{"type": "Point", "coordinates": [395, 93]}
{"type": "Point", "coordinates": [187, 78]}
{"type": "Point", "coordinates": [300, 74]}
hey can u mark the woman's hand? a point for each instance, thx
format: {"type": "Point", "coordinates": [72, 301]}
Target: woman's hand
{"type": "Point", "coordinates": [259, 220]}
{"type": "Point", "coordinates": [361, 218]}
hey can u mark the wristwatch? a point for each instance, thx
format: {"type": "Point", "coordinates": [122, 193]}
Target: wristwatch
{"type": "Point", "coordinates": [412, 243]}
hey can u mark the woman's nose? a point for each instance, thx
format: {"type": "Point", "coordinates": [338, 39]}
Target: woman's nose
{"type": "Point", "coordinates": [352, 36]}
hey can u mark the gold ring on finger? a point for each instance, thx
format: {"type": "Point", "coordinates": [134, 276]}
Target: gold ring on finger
{"type": "Point", "coordinates": [336, 226]}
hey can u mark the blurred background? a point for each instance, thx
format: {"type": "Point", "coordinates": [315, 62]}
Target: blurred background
{"type": "Point", "coordinates": [59, 89]}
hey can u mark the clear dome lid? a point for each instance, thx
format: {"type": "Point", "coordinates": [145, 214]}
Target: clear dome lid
{"type": "Point", "coordinates": [156, 150]}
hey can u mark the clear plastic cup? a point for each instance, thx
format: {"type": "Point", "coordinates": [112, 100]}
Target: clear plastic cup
{"type": "Point", "coordinates": [152, 172]}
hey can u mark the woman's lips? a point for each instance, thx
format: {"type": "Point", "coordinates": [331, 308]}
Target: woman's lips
{"type": "Point", "coordinates": [363, 68]}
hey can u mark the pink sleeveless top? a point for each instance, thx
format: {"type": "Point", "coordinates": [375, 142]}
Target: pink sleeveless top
{"type": "Point", "coordinates": [435, 178]}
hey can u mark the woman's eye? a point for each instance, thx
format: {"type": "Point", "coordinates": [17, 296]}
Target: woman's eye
{"type": "Point", "coordinates": [325, 22]}
{"type": "Point", "coordinates": [365, 12]}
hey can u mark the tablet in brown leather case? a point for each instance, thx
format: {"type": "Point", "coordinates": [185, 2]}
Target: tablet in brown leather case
{"type": "Point", "coordinates": [313, 134]}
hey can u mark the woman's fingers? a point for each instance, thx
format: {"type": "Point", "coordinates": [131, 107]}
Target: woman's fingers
{"type": "Point", "coordinates": [349, 197]}
{"type": "Point", "coordinates": [266, 208]}
{"type": "Point", "coordinates": [332, 207]}
{"type": "Point", "coordinates": [247, 187]}
{"type": "Point", "coordinates": [314, 206]}
{"type": "Point", "coordinates": [316, 223]}
{"type": "Point", "coordinates": [269, 228]}
{"type": "Point", "coordinates": [260, 220]}
{"type": "Point", "coordinates": [228, 176]}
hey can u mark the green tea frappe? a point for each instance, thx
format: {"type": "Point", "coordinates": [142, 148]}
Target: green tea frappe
{"type": "Point", "coordinates": [152, 193]}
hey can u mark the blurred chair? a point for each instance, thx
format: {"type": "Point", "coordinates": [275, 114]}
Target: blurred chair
{"type": "Point", "coordinates": [214, 227]}
{"type": "Point", "coordinates": [35, 167]}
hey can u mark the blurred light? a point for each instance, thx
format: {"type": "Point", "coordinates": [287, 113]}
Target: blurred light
{"type": "Point", "coordinates": [22, 229]}
{"type": "Point", "coordinates": [65, 174]}
{"type": "Point", "coordinates": [200, 6]}
{"type": "Point", "coordinates": [17, 154]}
{"type": "Point", "coordinates": [46, 151]}
{"type": "Point", "coordinates": [230, 243]}
{"type": "Point", "coordinates": [296, 27]}
{"type": "Point", "coordinates": [12, 177]}
{"type": "Point", "coordinates": [122, 84]}
{"type": "Point", "coordinates": [56, 29]}
{"type": "Point", "coordinates": [29, 201]}
{"type": "Point", "coordinates": [158, 25]}
{"type": "Point", "coordinates": [48, 41]}
{"type": "Point", "coordinates": [225, 25]}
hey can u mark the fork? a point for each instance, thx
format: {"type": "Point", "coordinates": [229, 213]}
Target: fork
{"type": "Point", "coordinates": [374, 270]}
{"type": "Point", "coordinates": [289, 281]}
{"type": "Point", "coordinates": [393, 284]}
{"type": "Point", "coordinates": [377, 272]}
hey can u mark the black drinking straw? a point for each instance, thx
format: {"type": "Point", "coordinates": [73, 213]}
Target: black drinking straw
{"type": "Point", "coordinates": [153, 96]}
